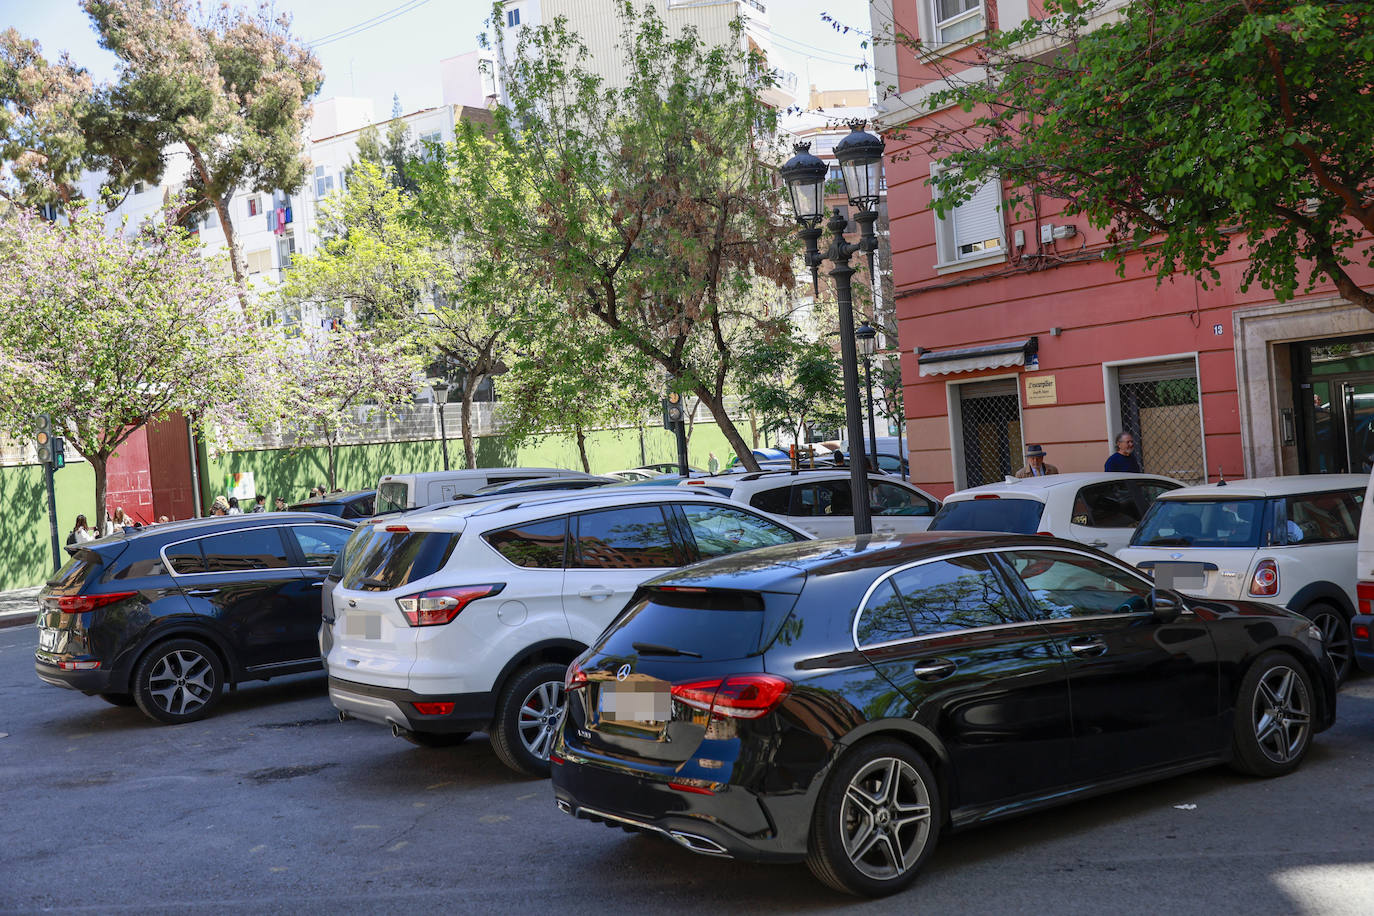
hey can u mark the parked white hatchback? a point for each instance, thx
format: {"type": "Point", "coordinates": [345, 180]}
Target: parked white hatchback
{"type": "Point", "coordinates": [465, 619]}
{"type": "Point", "coordinates": [1096, 508]}
{"type": "Point", "coordinates": [1289, 541]}
{"type": "Point", "coordinates": [820, 502]}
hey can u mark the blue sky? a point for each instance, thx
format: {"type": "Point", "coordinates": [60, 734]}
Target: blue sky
{"type": "Point", "coordinates": [374, 48]}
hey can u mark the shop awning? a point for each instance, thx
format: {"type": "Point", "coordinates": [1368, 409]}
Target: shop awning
{"type": "Point", "coordinates": [972, 359]}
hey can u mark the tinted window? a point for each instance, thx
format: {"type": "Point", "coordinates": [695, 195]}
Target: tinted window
{"type": "Point", "coordinates": [76, 572]}
{"type": "Point", "coordinates": [1319, 517]}
{"type": "Point", "coordinates": [336, 509]}
{"type": "Point", "coordinates": [1072, 585]}
{"type": "Point", "coordinates": [629, 538]}
{"type": "Point", "coordinates": [258, 548]}
{"type": "Point", "coordinates": [719, 530]}
{"type": "Point", "coordinates": [185, 557]}
{"type": "Point", "coordinates": [821, 499]}
{"type": "Point", "coordinates": [890, 499]}
{"type": "Point", "coordinates": [146, 565]}
{"type": "Point", "coordinates": [884, 617]}
{"type": "Point", "coordinates": [1018, 516]}
{"type": "Point", "coordinates": [953, 594]}
{"type": "Point", "coordinates": [359, 508]}
{"type": "Point", "coordinates": [1106, 505]}
{"type": "Point", "coordinates": [1201, 523]}
{"type": "Point", "coordinates": [360, 536]}
{"type": "Point", "coordinates": [774, 500]}
{"type": "Point", "coordinates": [320, 544]}
{"type": "Point", "coordinates": [538, 545]}
{"type": "Point", "coordinates": [721, 624]}
{"type": "Point", "coordinates": [1151, 490]}
{"type": "Point", "coordinates": [390, 559]}
{"type": "Point", "coordinates": [391, 497]}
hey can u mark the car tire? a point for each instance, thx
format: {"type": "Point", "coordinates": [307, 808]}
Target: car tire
{"type": "Point", "coordinates": [178, 681]}
{"type": "Point", "coordinates": [876, 821]}
{"type": "Point", "coordinates": [118, 699]}
{"type": "Point", "coordinates": [527, 718]}
{"type": "Point", "coordinates": [435, 739]}
{"type": "Point", "coordinates": [1273, 720]}
{"type": "Point", "coordinates": [1335, 627]}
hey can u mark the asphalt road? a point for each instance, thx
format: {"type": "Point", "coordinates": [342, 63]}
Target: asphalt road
{"type": "Point", "coordinates": [273, 806]}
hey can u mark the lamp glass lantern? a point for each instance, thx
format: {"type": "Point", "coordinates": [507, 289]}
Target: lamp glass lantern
{"type": "Point", "coordinates": [860, 156]}
{"type": "Point", "coordinates": [440, 389]}
{"type": "Point", "coordinates": [804, 175]}
{"type": "Point", "coordinates": [866, 336]}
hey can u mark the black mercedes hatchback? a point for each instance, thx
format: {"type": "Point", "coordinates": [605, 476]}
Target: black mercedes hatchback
{"type": "Point", "coordinates": [842, 702]}
{"type": "Point", "coordinates": [165, 617]}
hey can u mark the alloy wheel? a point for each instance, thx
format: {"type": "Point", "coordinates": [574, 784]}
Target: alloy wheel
{"type": "Point", "coordinates": [1336, 639]}
{"type": "Point", "coordinates": [1281, 714]}
{"type": "Point", "coordinates": [182, 682]}
{"type": "Point", "coordinates": [540, 714]}
{"type": "Point", "coordinates": [885, 819]}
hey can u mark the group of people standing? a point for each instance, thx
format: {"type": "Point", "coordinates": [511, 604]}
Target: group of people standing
{"type": "Point", "coordinates": [229, 505]}
{"type": "Point", "coordinates": [1122, 460]}
{"type": "Point", "coordinates": [83, 531]}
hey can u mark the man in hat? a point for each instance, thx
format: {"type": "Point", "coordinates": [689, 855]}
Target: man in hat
{"type": "Point", "coordinates": [1035, 463]}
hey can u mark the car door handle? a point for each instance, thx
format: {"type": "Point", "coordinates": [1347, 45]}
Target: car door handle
{"type": "Point", "coordinates": [1097, 543]}
{"type": "Point", "coordinates": [597, 592]}
{"type": "Point", "coordinates": [319, 584]}
{"type": "Point", "coordinates": [1088, 648]}
{"type": "Point", "coordinates": [199, 592]}
{"type": "Point", "coordinates": [933, 669]}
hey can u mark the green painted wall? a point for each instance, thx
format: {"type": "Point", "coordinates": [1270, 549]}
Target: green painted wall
{"type": "Point", "coordinates": [25, 554]}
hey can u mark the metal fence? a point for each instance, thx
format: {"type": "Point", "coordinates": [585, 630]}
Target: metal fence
{"type": "Point", "coordinates": [990, 417]}
{"type": "Point", "coordinates": [1160, 407]}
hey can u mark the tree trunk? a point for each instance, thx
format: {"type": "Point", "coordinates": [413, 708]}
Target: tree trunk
{"type": "Point", "coordinates": [582, 448]}
{"type": "Point", "coordinates": [222, 208]}
{"type": "Point", "coordinates": [99, 465]}
{"type": "Point", "coordinates": [754, 429]}
{"type": "Point", "coordinates": [331, 445]}
{"type": "Point", "coordinates": [469, 452]}
{"type": "Point", "coordinates": [727, 426]}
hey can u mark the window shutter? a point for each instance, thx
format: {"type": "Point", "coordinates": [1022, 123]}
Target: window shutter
{"type": "Point", "coordinates": [979, 218]}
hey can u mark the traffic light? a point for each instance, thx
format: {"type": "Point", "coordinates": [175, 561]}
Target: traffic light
{"type": "Point", "coordinates": [672, 410]}
{"type": "Point", "coordinates": [43, 439]}
{"type": "Point", "coordinates": [59, 453]}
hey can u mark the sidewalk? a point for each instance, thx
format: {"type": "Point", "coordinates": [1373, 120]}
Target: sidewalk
{"type": "Point", "coordinates": [18, 607]}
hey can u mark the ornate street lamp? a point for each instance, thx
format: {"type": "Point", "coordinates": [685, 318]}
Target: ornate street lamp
{"type": "Point", "coordinates": [860, 156]}
{"type": "Point", "coordinates": [441, 398]}
{"type": "Point", "coordinates": [866, 336]}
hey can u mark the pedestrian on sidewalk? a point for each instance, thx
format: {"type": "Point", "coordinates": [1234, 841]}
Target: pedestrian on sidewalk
{"type": "Point", "coordinates": [1123, 459]}
{"type": "Point", "coordinates": [234, 506]}
{"type": "Point", "coordinates": [259, 503]}
{"type": "Point", "coordinates": [712, 463]}
{"type": "Point", "coordinates": [1036, 465]}
{"type": "Point", "coordinates": [220, 506]}
{"type": "Point", "coordinates": [281, 505]}
{"type": "Point", "coordinates": [81, 532]}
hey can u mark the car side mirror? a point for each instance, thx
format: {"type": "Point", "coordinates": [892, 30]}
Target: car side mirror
{"type": "Point", "coordinates": [1165, 605]}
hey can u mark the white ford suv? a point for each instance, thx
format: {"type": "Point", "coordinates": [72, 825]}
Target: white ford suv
{"type": "Point", "coordinates": [1290, 541]}
{"type": "Point", "coordinates": [465, 619]}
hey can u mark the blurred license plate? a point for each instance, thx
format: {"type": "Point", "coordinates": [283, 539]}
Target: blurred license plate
{"type": "Point", "coordinates": [1180, 575]}
{"type": "Point", "coordinates": [634, 702]}
{"type": "Point", "coordinates": [51, 640]}
{"type": "Point", "coordinates": [368, 626]}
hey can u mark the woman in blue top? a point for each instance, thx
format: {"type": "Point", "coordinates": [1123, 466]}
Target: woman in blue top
{"type": "Point", "coordinates": [1123, 459]}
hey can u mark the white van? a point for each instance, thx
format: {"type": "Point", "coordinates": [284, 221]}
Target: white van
{"type": "Point", "coordinates": [1362, 624]}
{"type": "Point", "coordinates": [403, 492]}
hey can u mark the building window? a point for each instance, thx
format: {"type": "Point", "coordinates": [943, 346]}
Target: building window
{"type": "Point", "coordinates": [139, 187]}
{"type": "Point", "coordinates": [260, 261]}
{"type": "Point", "coordinates": [973, 231]}
{"type": "Point", "coordinates": [512, 18]}
{"type": "Point", "coordinates": [323, 183]}
{"type": "Point", "coordinates": [49, 212]}
{"type": "Point", "coordinates": [254, 205]}
{"type": "Point", "coordinates": [952, 20]}
{"type": "Point", "coordinates": [286, 247]}
{"type": "Point", "coordinates": [210, 220]}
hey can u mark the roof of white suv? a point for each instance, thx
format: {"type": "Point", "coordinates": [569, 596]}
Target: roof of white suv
{"type": "Point", "coordinates": [454, 517]}
{"type": "Point", "coordinates": [1040, 487]}
{"type": "Point", "coordinates": [1272, 486]}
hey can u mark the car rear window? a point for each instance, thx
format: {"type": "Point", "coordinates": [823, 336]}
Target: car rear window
{"type": "Point", "coordinates": [1013, 515]}
{"type": "Point", "coordinates": [714, 624]}
{"type": "Point", "coordinates": [393, 558]}
{"type": "Point", "coordinates": [83, 566]}
{"type": "Point", "coordinates": [1202, 523]}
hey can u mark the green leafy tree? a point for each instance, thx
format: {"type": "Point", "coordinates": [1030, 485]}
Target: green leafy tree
{"type": "Point", "coordinates": [107, 332]}
{"type": "Point", "coordinates": [650, 209]}
{"type": "Point", "coordinates": [232, 88]}
{"type": "Point", "coordinates": [1180, 126]}
{"type": "Point", "coordinates": [791, 383]}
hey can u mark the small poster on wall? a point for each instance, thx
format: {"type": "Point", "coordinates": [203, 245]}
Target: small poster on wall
{"type": "Point", "coordinates": [1040, 390]}
{"type": "Point", "coordinates": [241, 485]}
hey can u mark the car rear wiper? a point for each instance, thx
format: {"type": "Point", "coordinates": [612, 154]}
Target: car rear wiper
{"type": "Point", "coordinates": [653, 648]}
{"type": "Point", "coordinates": [375, 583]}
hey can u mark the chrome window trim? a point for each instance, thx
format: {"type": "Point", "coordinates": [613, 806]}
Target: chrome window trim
{"type": "Point", "coordinates": [162, 552]}
{"type": "Point", "coordinates": [868, 593]}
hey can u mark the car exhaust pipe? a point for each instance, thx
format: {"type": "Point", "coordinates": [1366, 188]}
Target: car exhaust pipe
{"type": "Point", "coordinates": [344, 716]}
{"type": "Point", "coordinates": [564, 805]}
{"type": "Point", "coordinates": [698, 843]}
{"type": "Point", "coordinates": [395, 730]}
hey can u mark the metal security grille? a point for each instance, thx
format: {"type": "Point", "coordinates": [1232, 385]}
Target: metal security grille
{"type": "Point", "coordinates": [1160, 407]}
{"type": "Point", "coordinates": [990, 416]}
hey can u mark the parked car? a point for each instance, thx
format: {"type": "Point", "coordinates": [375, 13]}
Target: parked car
{"type": "Point", "coordinates": [669, 467]}
{"type": "Point", "coordinates": [1362, 624]}
{"type": "Point", "coordinates": [353, 504]}
{"type": "Point", "coordinates": [1096, 508]}
{"type": "Point", "coordinates": [819, 502]}
{"type": "Point", "coordinates": [633, 475]}
{"type": "Point", "coordinates": [404, 492]}
{"type": "Point", "coordinates": [539, 484]}
{"type": "Point", "coordinates": [1290, 541]}
{"type": "Point", "coordinates": [165, 617]}
{"type": "Point", "coordinates": [844, 702]}
{"type": "Point", "coordinates": [454, 621]}
{"type": "Point", "coordinates": [762, 454]}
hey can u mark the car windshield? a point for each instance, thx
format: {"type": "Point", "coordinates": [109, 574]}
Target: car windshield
{"type": "Point", "coordinates": [1201, 523]}
{"type": "Point", "coordinates": [1014, 515]}
{"type": "Point", "coordinates": [391, 497]}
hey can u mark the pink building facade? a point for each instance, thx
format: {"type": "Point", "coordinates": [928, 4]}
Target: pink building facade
{"type": "Point", "coordinates": [1013, 330]}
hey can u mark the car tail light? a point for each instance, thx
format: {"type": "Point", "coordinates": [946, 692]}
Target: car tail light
{"type": "Point", "coordinates": [1045, 534]}
{"type": "Point", "coordinates": [440, 605]}
{"type": "Point", "coordinates": [576, 678]}
{"type": "Point", "coordinates": [77, 666]}
{"type": "Point", "coordinates": [742, 696]}
{"type": "Point", "coordinates": [682, 786]}
{"type": "Point", "coordinates": [433, 709]}
{"type": "Point", "coordinates": [80, 604]}
{"type": "Point", "coordinates": [1360, 630]}
{"type": "Point", "coordinates": [1265, 582]}
{"type": "Point", "coordinates": [1364, 592]}
{"type": "Point", "coordinates": [987, 496]}
{"type": "Point", "coordinates": [397, 529]}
